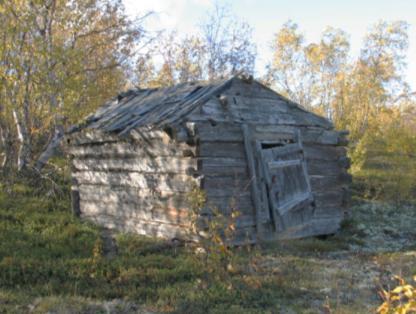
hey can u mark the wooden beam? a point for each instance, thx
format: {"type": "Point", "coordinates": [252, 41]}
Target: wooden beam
{"type": "Point", "coordinates": [283, 163]}
{"type": "Point", "coordinates": [252, 171]}
{"type": "Point", "coordinates": [266, 176]}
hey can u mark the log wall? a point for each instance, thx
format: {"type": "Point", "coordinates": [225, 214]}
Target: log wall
{"type": "Point", "coordinates": [140, 184]}
{"type": "Point", "coordinates": [225, 170]}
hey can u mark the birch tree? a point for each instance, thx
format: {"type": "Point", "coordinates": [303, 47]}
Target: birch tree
{"type": "Point", "coordinates": [223, 46]}
{"type": "Point", "coordinates": [61, 59]}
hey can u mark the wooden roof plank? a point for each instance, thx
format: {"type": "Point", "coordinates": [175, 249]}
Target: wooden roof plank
{"type": "Point", "coordinates": [166, 106]}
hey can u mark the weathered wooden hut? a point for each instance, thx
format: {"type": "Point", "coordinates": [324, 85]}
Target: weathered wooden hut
{"type": "Point", "coordinates": [136, 159]}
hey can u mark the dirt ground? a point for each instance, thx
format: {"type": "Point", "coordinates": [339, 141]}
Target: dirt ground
{"type": "Point", "coordinates": [344, 273]}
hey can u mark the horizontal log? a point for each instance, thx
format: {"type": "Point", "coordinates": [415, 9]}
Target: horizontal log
{"type": "Point", "coordinates": [183, 217]}
{"type": "Point", "coordinates": [221, 149]}
{"type": "Point", "coordinates": [122, 210]}
{"type": "Point", "coordinates": [320, 136]}
{"type": "Point", "coordinates": [207, 149]}
{"type": "Point", "coordinates": [161, 182]}
{"type": "Point", "coordinates": [283, 163]}
{"type": "Point", "coordinates": [257, 90]}
{"type": "Point", "coordinates": [324, 168]}
{"type": "Point", "coordinates": [236, 111]}
{"type": "Point", "coordinates": [330, 198]}
{"type": "Point", "coordinates": [324, 152]}
{"type": "Point", "coordinates": [120, 149]}
{"type": "Point", "coordinates": [91, 137]}
{"type": "Point", "coordinates": [138, 196]}
{"type": "Point", "coordinates": [220, 132]}
{"type": "Point", "coordinates": [235, 183]}
{"type": "Point", "coordinates": [329, 212]}
{"type": "Point", "coordinates": [223, 199]}
{"type": "Point", "coordinates": [223, 166]}
{"type": "Point", "coordinates": [256, 104]}
{"type": "Point", "coordinates": [241, 221]}
{"type": "Point", "coordinates": [94, 136]}
{"type": "Point", "coordinates": [243, 234]}
{"type": "Point", "coordinates": [313, 135]}
{"type": "Point", "coordinates": [294, 117]}
{"type": "Point", "coordinates": [226, 204]}
{"type": "Point", "coordinates": [179, 165]}
{"type": "Point", "coordinates": [324, 183]}
{"type": "Point", "coordinates": [231, 132]}
{"type": "Point", "coordinates": [230, 192]}
{"type": "Point", "coordinates": [144, 227]}
{"type": "Point", "coordinates": [150, 165]}
{"type": "Point", "coordinates": [210, 110]}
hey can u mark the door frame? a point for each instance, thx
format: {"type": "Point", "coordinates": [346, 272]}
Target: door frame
{"type": "Point", "coordinates": [259, 175]}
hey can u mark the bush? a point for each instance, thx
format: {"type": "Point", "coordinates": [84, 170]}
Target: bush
{"type": "Point", "coordinates": [383, 160]}
{"type": "Point", "coordinates": [401, 299]}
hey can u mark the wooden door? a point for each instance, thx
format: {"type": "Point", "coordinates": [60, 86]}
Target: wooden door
{"type": "Point", "coordinates": [288, 188]}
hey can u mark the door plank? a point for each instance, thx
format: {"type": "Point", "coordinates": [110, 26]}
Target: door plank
{"type": "Point", "coordinates": [289, 192]}
{"type": "Point", "coordinates": [253, 177]}
{"type": "Point", "coordinates": [284, 163]}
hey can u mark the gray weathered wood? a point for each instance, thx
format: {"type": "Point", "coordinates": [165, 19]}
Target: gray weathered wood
{"type": "Point", "coordinates": [227, 204]}
{"type": "Point", "coordinates": [220, 132]}
{"type": "Point", "coordinates": [159, 181]}
{"type": "Point", "coordinates": [133, 150]}
{"type": "Point", "coordinates": [145, 227]}
{"type": "Point", "coordinates": [253, 175]}
{"type": "Point", "coordinates": [325, 168]}
{"type": "Point", "coordinates": [231, 132]}
{"type": "Point", "coordinates": [329, 212]}
{"type": "Point", "coordinates": [261, 181]}
{"type": "Point", "coordinates": [323, 183]}
{"type": "Point", "coordinates": [142, 197]}
{"type": "Point", "coordinates": [329, 198]}
{"type": "Point", "coordinates": [147, 165]}
{"type": "Point", "coordinates": [223, 166]}
{"type": "Point", "coordinates": [133, 211]}
{"type": "Point", "coordinates": [267, 183]}
{"type": "Point", "coordinates": [75, 200]}
{"type": "Point", "coordinates": [140, 155]}
{"type": "Point", "coordinates": [237, 183]}
{"type": "Point", "coordinates": [91, 137]}
{"type": "Point", "coordinates": [221, 149]}
{"type": "Point", "coordinates": [304, 168]}
{"type": "Point", "coordinates": [283, 163]}
{"type": "Point", "coordinates": [292, 207]}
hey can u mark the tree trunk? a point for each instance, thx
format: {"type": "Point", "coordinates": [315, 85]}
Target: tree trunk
{"type": "Point", "coordinates": [53, 82]}
{"type": "Point", "coordinates": [6, 147]}
{"type": "Point", "coordinates": [52, 147]}
{"type": "Point", "coordinates": [24, 141]}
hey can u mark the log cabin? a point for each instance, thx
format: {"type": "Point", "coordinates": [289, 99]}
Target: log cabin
{"type": "Point", "coordinates": [136, 160]}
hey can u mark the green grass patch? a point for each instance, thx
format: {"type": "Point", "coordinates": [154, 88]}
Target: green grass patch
{"type": "Point", "coordinates": [48, 256]}
{"type": "Point", "coordinates": [53, 261]}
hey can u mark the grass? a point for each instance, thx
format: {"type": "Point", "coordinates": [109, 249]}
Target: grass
{"type": "Point", "coordinates": [52, 261]}
{"type": "Point", "coordinates": [47, 253]}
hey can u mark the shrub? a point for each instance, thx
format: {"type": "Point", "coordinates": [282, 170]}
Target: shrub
{"type": "Point", "coordinates": [401, 300]}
